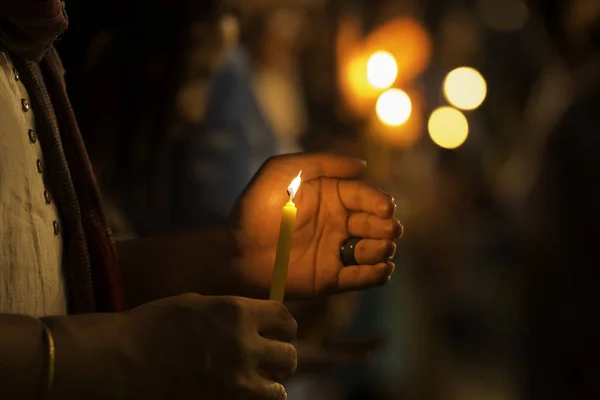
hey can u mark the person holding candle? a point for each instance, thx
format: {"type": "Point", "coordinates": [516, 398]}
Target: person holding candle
{"type": "Point", "coordinates": [137, 334]}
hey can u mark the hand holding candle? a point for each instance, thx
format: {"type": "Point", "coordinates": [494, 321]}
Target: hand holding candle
{"type": "Point", "coordinates": [333, 206]}
{"type": "Point", "coordinates": [284, 243]}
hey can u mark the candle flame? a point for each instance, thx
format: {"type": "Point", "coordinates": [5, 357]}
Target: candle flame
{"type": "Point", "coordinates": [293, 188]}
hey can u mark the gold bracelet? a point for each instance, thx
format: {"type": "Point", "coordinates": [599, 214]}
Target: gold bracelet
{"type": "Point", "coordinates": [51, 361]}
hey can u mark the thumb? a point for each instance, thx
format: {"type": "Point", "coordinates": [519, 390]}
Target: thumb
{"type": "Point", "coordinates": [322, 165]}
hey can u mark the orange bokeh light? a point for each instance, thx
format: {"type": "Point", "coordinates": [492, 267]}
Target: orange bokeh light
{"type": "Point", "coordinates": [404, 38]}
{"type": "Point", "coordinates": [407, 40]}
{"type": "Point", "coordinates": [407, 134]}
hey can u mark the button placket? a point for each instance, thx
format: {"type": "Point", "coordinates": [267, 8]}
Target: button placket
{"type": "Point", "coordinates": [25, 106]}
{"type": "Point", "coordinates": [32, 135]}
{"type": "Point", "coordinates": [47, 197]}
{"type": "Point", "coordinates": [56, 227]}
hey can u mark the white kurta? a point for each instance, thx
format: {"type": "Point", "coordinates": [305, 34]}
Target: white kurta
{"type": "Point", "coordinates": [31, 280]}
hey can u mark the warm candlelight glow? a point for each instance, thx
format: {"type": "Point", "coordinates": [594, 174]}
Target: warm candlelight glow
{"type": "Point", "coordinates": [448, 127]}
{"type": "Point", "coordinates": [393, 107]}
{"type": "Point", "coordinates": [382, 70]}
{"type": "Point", "coordinates": [284, 244]}
{"type": "Point", "coordinates": [293, 188]}
{"type": "Point", "coordinates": [465, 88]}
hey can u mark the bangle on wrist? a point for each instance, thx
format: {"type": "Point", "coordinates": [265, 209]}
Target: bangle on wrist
{"type": "Point", "coordinates": [50, 359]}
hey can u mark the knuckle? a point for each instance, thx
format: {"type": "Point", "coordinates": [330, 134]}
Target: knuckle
{"type": "Point", "coordinates": [230, 308]}
{"type": "Point", "coordinates": [287, 320]}
{"type": "Point", "coordinates": [366, 224]}
{"type": "Point", "coordinates": [189, 298]}
{"type": "Point", "coordinates": [359, 249]}
{"type": "Point", "coordinates": [242, 385]}
{"type": "Point", "coordinates": [277, 308]}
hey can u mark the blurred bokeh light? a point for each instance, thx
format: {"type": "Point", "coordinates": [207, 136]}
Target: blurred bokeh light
{"type": "Point", "coordinates": [407, 41]}
{"type": "Point", "coordinates": [448, 127]}
{"type": "Point", "coordinates": [360, 60]}
{"type": "Point", "coordinates": [403, 137]}
{"type": "Point", "coordinates": [465, 88]}
{"type": "Point", "coordinates": [382, 70]}
{"type": "Point", "coordinates": [394, 107]}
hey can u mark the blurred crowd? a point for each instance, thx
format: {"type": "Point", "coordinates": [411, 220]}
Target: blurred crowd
{"type": "Point", "coordinates": [481, 117]}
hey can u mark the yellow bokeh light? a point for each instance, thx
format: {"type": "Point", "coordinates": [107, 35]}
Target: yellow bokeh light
{"type": "Point", "coordinates": [382, 70]}
{"type": "Point", "coordinates": [393, 107]}
{"type": "Point", "coordinates": [448, 127]}
{"type": "Point", "coordinates": [465, 88]}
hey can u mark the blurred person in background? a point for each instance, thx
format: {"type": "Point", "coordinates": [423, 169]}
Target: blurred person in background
{"type": "Point", "coordinates": [254, 108]}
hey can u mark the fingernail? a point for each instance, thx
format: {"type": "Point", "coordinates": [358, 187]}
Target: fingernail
{"type": "Point", "coordinates": [394, 229]}
{"type": "Point", "coordinates": [392, 267]}
{"type": "Point", "coordinates": [363, 162]}
{"type": "Point", "coordinates": [391, 250]}
{"type": "Point", "coordinates": [389, 278]}
{"type": "Point", "coordinates": [283, 393]}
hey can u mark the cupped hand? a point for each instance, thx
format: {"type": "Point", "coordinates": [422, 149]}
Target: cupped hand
{"type": "Point", "coordinates": [333, 205]}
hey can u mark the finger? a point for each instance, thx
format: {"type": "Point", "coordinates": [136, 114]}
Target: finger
{"type": "Point", "coordinates": [371, 251]}
{"type": "Point", "coordinates": [361, 197]}
{"type": "Point", "coordinates": [321, 165]}
{"type": "Point", "coordinates": [260, 388]}
{"type": "Point", "coordinates": [275, 321]}
{"type": "Point", "coordinates": [372, 227]}
{"type": "Point", "coordinates": [278, 359]}
{"type": "Point", "coordinates": [360, 277]}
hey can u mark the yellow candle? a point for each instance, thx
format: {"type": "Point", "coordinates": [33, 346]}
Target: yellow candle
{"type": "Point", "coordinates": [284, 244]}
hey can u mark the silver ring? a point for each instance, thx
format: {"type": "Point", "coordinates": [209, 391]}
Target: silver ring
{"type": "Point", "coordinates": [347, 251]}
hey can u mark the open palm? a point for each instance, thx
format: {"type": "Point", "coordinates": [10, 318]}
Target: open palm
{"type": "Point", "coordinates": [332, 206]}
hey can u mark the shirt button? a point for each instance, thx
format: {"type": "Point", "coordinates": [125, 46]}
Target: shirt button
{"type": "Point", "coordinates": [25, 105]}
{"type": "Point", "coordinates": [56, 228]}
{"type": "Point", "coordinates": [47, 197]}
{"type": "Point", "coordinates": [17, 76]}
{"type": "Point", "coordinates": [32, 136]}
{"type": "Point", "coordinates": [40, 168]}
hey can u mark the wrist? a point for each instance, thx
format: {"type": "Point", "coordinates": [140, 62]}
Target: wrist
{"type": "Point", "coordinates": [91, 361]}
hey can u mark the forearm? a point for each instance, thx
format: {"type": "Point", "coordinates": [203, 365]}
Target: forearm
{"type": "Point", "coordinates": [200, 262]}
{"type": "Point", "coordinates": [86, 367]}
{"type": "Point", "coordinates": [22, 356]}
